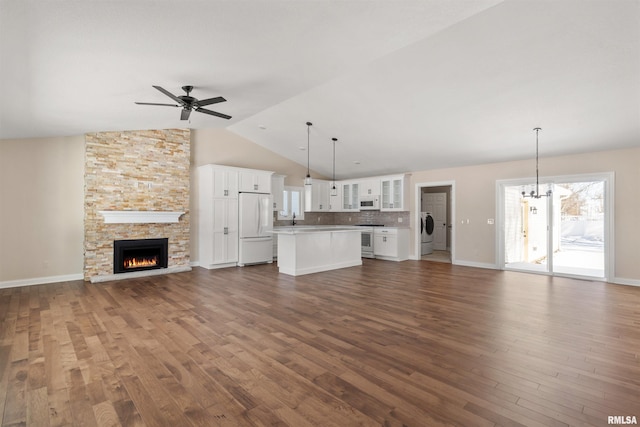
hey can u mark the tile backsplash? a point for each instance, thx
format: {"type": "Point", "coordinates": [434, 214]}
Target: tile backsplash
{"type": "Point", "coordinates": [389, 219]}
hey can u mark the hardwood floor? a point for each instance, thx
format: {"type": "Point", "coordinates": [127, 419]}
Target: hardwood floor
{"type": "Point", "coordinates": [414, 343]}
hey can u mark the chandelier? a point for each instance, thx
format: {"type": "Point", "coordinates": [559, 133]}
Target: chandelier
{"type": "Point", "coordinates": [536, 194]}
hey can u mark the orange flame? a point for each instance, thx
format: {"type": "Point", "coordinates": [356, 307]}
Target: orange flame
{"type": "Point", "coordinates": [141, 262]}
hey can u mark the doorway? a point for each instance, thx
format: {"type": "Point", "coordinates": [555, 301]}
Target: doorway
{"type": "Point", "coordinates": [566, 233]}
{"type": "Point", "coordinates": [434, 207]}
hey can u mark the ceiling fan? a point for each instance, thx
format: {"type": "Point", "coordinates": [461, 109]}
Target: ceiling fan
{"type": "Point", "coordinates": [189, 103]}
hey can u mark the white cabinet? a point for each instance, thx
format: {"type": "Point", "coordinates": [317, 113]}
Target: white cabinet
{"type": "Point", "coordinates": [316, 196]}
{"type": "Point", "coordinates": [217, 216]}
{"type": "Point", "coordinates": [350, 196]}
{"type": "Point", "coordinates": [218, 181]}
{"type": "Point", "coordinates": [254, 181]}
{"type": "Point", "coordinates": [369, 187]}
{"type": "Point", "coordinates": [224, 236]}
{"type": "Point", "coordinates": [277, 191]}
{"type": "Point", "coordinates": [391, 244]}
{"type": "Point", "coordinates": [394, 195]}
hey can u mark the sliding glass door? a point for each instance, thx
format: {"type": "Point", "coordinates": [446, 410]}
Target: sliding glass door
{"type": "Point", "coordinates": [562, 234]}
{"type": "Point", "coordinates": [526, 238]}
{"type": "Point", "coordinates": [579, 239]}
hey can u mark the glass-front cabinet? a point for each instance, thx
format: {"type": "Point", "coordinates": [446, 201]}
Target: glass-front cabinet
{"type": "Point", "coordinates": [350, 196]}
{"type": "Point", "coordinates": [394, 193]}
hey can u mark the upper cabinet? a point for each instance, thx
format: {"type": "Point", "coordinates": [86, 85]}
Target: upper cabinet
{"type": "Point", "coordinates": [218, 181]}
{"type": "Point", "coordinates": [394, 195]}
{"type": "Point", "coordinates": [350, 196]}
{"type": "Point", "coordinates": [369, 187]}
{"type": "Point", "coordinates": [392, 191]}
{"type": "Point", "coordinates": [316, 196]}
{"type": "Point", "coordinates": [228, 181]}
{"type": "Point", "coordinates": [254, 181]}
{"type": "Point", "coordinates": [277, 191]}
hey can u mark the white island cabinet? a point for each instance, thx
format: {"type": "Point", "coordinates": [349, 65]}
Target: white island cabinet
{"type": "Point", "coordinates": [305, 250]}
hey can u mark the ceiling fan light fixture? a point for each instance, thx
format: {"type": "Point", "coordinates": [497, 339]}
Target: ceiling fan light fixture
{"type": "Point", "coordinates": [189, 103]}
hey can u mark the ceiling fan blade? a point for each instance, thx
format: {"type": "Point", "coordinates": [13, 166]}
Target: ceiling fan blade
{"type": "Point", "coordinates": [153, 103]}
{"type": "Point", "coordinates": [211, 101]}
{"type": "Point", "coordinates": [213, 113]}
{"type": "Point", "coordinates": [170, 95]}
{"type": "Point", "coordinates": [186, 112]}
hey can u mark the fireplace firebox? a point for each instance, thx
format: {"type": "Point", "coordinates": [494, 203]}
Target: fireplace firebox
{"type": "Point", "coordinates": [139, 254]}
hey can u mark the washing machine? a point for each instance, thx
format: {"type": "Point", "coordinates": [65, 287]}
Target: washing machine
{"type": "Point", "coordinates": [426, 233]}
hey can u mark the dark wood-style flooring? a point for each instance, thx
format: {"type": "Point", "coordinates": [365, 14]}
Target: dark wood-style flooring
{"type": "Point", "coordinates": [414, 343]}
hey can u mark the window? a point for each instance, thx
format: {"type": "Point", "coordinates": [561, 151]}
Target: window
{"type": "Point", "coordinates": [292, 200]}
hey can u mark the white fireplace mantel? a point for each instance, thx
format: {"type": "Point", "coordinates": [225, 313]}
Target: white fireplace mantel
{"type": "Point", "coordinates": [140, 217]}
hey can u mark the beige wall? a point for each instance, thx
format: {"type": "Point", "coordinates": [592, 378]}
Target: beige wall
{"type": "Point", "coordinates": [41, 208]}
{"type": "Point", "coordinates": [41, 198]}
{"type": "Point", "coordinates": [223, 147]}
{"type": "Point", "coordinates": [475, 199]}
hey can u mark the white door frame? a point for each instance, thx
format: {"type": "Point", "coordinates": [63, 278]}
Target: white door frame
{"type": "Point", "coordinates": [417, 206]}
{"type": "Point", "coordinates": [609, 185]}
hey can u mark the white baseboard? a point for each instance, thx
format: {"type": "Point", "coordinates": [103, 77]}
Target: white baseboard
{"type": "Point", "coordinates": [40, 280]}
{"type": "Point", "coordinates": [623, 281]}
{"type": "Point", "coordinates": [474, 264]}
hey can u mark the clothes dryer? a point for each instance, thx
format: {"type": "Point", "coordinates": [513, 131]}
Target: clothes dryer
{"type": "Point", "coordinates": [426, 233]}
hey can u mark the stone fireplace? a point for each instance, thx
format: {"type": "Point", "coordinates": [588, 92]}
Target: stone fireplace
{"type": "Point", "coordinates": [136, 187]}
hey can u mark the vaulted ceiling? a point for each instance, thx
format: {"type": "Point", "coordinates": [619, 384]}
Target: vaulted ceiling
{"type": "Point", "coordinates": [403, 85]}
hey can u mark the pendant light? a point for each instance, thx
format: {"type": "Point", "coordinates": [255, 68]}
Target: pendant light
{"type": "Point", "coordinates": [307, 179]}
{"type": "Point", "coordinates": [536, 194]}
{"type": "Point", "coordinates": [334, 190]}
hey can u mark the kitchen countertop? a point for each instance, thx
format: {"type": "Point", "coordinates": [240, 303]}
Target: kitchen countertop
{"type": "Point", "coordinates": [297, 229]}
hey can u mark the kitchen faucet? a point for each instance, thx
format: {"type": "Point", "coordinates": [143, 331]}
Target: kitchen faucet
{"type": "Point", "coordinates": [293, 221]}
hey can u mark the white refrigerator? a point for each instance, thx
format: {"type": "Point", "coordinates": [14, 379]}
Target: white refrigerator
{"type": "Point", "coordinates": [255, 226]}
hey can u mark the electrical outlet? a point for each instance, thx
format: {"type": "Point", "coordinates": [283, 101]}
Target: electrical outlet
{"type": "Point", "coordinates": [490, 221]}
{"type": "Point", "coordinates": [399, 219]}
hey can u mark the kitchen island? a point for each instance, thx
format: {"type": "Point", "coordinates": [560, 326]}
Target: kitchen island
{"type": "Point", "coordinates": [311, 249]}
